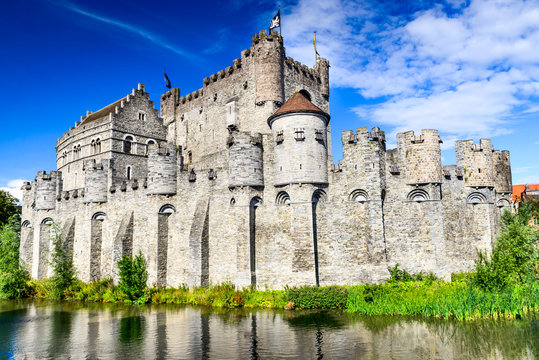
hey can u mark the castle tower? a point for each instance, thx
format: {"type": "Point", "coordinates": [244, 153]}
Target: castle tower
{"type": "Point", "coordinates": [299, 131]}
{"type": "Point", "coordinates": [162, 169]}
{"type": "Point", "coordinates": [322, 68]}
{"type": "Point", "coordinates": [421, 156]}
{"type": "Point", "coordinates": [502, 172]}
{"type": "Point", "coordinates": [169, 102]}
{"type": "Point", "coordinates": [245, 162]}
{"type": "Point", "coordinates": [268, 53]}
{"type": "Point", "coordinates": [95, 181]}
{"type": "Point", "coordinates": [45, 191]}
{"type": "Point", "coordinates": [476, 162]}
{"type": "Point", "coordinates": [364, 161]}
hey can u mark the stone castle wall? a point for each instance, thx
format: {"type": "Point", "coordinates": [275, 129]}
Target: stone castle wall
{"type": "Point", "coordinates": [222, 196]}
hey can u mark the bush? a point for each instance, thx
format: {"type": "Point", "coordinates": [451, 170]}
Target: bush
{"type": "Point", "coordinates": [133, 277]}
{"type": "Point", "coordinates": [62, 264]}
{"type": "Point", "coordinates": [13, 275]}
{"type": "Point", "coordinates": [312, 297]}
{"type": "Point", "coordinates": [398, 275]}
{"type": "Point", "coordinates": [514, 257]}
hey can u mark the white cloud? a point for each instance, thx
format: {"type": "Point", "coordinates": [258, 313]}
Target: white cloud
{"type": "Point", "coordinates": [465, 74]}
{"type": "Point", "coordinates": [14, 188]}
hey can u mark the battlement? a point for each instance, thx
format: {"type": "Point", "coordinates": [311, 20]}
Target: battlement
{"type": "Point", "coordinates": [420, 156]}
{"type": "Point", "coordinates": [43, 176]}
{"type": "Point", "coordinates": [363, 134]}
{"type": "Point", "coordinates": [477, 162]}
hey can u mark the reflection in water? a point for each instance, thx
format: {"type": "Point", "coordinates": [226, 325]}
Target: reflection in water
{"type": "Point", "coordinates": [104, 331]}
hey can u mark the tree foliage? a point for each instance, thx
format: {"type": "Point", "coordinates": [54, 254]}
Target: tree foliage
{"type": "Point", "coordinates": [13, 274]}
{"type": "Point", "coordinates": [514, 257]}
{"type": "Point", "coordinates": [62, 263]}
{"type": "Point", "coordinates": [8, 207]}
{"type": "Point", "coordinates": [133, 276]}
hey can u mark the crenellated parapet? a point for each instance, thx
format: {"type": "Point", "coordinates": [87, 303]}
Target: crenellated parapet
{"type": "Point", "coordinates": [420, 156]}
{"type": "Point", "coordinates": [476, 162]}
{"type": "Point", "coordinates": [162, 169]}
{"type": "Point", "coordinates": [45, 190]}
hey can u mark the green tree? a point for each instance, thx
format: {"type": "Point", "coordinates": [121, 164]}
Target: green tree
{"type": "Point", "coordinates": [514, 257]}
{"type": "Point", "coordinates": [13, 274]}
{"type": "Point", "coordinates": [62, 263]}
{"type": "Point", "coordinates": [8, 207]}
{"type": "Point", "coordinates": [133, 276]}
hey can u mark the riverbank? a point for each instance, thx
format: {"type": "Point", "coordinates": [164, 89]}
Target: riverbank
{"type": "Point", "coordinates": [458, 299]}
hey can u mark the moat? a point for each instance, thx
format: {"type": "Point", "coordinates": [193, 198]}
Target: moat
{"type": "Point", "coordinates": [47, 330]}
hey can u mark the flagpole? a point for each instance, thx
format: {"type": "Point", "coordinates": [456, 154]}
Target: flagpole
{"type": "Point", "coordinates": [280, 22]}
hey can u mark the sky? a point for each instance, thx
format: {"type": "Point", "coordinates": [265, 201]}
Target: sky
{"type": "Point", "coordinates": [467, 68]}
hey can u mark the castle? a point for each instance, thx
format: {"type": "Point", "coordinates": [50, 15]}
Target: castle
{"type": "Point", "coordinates": [236, 182]}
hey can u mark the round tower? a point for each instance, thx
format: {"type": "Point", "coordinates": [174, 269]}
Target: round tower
{"type": "Point", "coordinates": [45, 193]}
{"type": "Point", "coordinates": [268, 54]}
{"type": "Point", "coordinates": [476, 162]}
{"type": "Point", "coordinates": [245, 162]}
{"type": "Point", "coordinates": [162, 169]}
{"type": "Point", "coordinates": [299, 131]}
{"type": "Point", "coordinates": [95, 181]}
{"type": "Point", "coordinates": [421, 156]}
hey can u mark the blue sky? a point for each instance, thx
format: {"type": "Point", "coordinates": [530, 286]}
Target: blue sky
{"type": "Point", "coordinates": [467, 68]}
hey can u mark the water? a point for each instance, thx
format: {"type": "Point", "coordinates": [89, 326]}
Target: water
{"type": "Point", "coordinates": [45, 330]}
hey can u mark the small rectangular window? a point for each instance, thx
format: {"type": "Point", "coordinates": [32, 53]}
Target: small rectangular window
{"type": "Point", "coordinates": [280, 137]}
{"type": "Point", "coordinates": [300, 134]}
{"type": "Point", "coordinates": [319, 135]}
{"type": "Point", "coordinates": [141, 116]}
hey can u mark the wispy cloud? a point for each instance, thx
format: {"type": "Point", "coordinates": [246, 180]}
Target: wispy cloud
{"type": "Point", "coordinates": [467, 73]}
{"type": "Point", "coordinates": [135, 30]}
{"type": "Point", "coordinates": [14, 188]}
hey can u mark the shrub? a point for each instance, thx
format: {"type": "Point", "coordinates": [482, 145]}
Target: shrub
{"type": "Point", "coordinates": [312, 297]}
{"type": "Point", "coordinates": [62, 264]}
{"type": "Point", "coordinates": [133, 277]}
{"type": "Point", "coordinates": [514, 257]}
{"type": "Point", "coordinates": [13, 275]}
{"type": "Point", "coordinates": [398, 275]}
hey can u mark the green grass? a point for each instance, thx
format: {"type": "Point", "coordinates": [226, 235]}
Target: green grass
{"type": "Point", "coordinates": [459, 300]}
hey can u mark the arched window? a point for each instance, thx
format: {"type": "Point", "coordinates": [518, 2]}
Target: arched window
{"type": "Point", "coordinates": [358, 195]}
{"type": "Point", "coordinates": [26, 224]}
{"type": "Point", "coordinates": [306, 94]}
{"type": "Point", "coordinates": [92, 147]}
{"type": "Point", "coordinates": [99, 216]}
{"type": "Point", "coordinates": [167, 209]}
{"type": "Point", "coordinates": [148, 143]}
{"type": "Point", "coordinates": [98, 146]}
{"type": "Point", "coordinates": [476, 198]}
{"type": "Point", "coordinates": [128, 144]}
{"type": "Point", "coordinates": [190, 156]}
{"type": "Point", "coordinates": [128, 172]}
{"type": "Point", "coordinates": [418, 195]}
{"type": "Point", "coordinates": [282, 198]}
{"type": "Point", "coordinates": [46, 221]}
{"type": "Point", "coordinates": [319, 195]}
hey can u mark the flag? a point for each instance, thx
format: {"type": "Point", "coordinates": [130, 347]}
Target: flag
{"type": "Point", "coordinates": [276, 21]}
{"type": "Point", "coordinates": [314, 42]}
{"type": "Point", "coordinates": [167, 80]}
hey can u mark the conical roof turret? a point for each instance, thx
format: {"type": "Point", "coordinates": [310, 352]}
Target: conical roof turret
{"type": "Point", "coordinates": [298, 103]}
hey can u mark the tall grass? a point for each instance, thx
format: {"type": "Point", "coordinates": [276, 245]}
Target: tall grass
{"type": "Point", "coordinates": [458, 300]}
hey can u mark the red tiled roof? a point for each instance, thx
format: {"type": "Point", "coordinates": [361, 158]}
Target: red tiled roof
{"type": "Point", "coordinates": [298, 103]}
{"type": "Point", "coordinates": [519, 189]}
